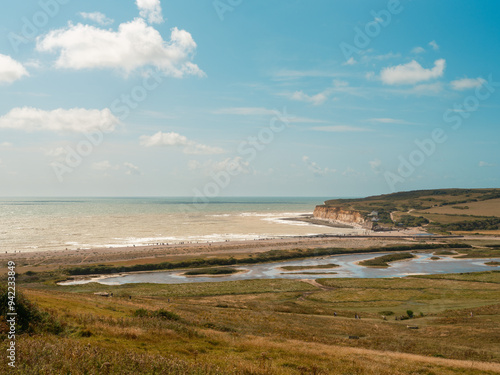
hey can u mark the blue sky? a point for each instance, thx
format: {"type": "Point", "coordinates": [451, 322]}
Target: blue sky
{"type": "Point", "coordinates": [274, 98]}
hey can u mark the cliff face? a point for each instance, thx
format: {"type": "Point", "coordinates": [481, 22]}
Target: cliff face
{"type": "Point", "coordinates": [341, 215]}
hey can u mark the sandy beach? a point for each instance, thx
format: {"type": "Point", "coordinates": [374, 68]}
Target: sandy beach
{"type": "Point", "coordinates": [46, 260]}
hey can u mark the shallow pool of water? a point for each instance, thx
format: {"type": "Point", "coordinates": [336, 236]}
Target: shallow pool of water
{"type": "Point", "coordinates": [348, 268]}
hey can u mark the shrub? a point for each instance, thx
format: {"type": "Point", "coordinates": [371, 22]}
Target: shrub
{"type": "Point", "coordinates": [161, 314]}
{"type": "Point", "coordinates": [164, 314]}
{"type": "Point", "coordinates": [141, 313]}
{"type": "Point", "coordinates": [29, 318]}
{"type": "Point", "coordinates": [386, 313]}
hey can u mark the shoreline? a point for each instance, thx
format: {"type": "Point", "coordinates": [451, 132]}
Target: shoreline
{"type": "Point", "coordinates": [38, 260]}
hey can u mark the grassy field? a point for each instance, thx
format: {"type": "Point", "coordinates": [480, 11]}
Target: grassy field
{"type": "Point", "coordinates": [268, 327]}
{"type": "Point", "coordinates": [479, 253]}
{"type": "Point", "coordinates": [489, 207]}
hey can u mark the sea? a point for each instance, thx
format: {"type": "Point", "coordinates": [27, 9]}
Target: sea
{"type": "Point", "coordinates": [46, 224]}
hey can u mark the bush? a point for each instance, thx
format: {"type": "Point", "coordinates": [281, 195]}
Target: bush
{"type": "Point", "coordinates": [141, 313]}
{"type": "Point", "coordinates": [164, 314]}
{"type": "Point", "coordinates": [491, 223]}
{"type": "Point", "coordinates": [409, 313]}
{"type": "Point", "coordinates": [386, 313]}
{"type": "Point", "coordinates": [413, 221]}
{"type": "Point", "coordinates": [29, 318]}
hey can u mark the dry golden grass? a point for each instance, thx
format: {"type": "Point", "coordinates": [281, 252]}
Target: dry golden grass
{"type": "Point", "coordinates": [489, 207]}
{"type": "Point", "coordinates": [273, 327]}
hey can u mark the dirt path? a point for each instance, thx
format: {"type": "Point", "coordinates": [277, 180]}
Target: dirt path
{"type": "Point", "coordinates": [316, 284]}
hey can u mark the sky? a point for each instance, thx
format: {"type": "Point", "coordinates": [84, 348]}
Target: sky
{"type": "Point", "coordinates": [248, 98]}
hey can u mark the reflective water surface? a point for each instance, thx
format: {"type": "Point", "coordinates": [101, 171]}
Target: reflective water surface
{"type": "Point", "coordinates": [348, 268]}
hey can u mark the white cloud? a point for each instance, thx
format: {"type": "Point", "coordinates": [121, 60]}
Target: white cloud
{"type": "Point", "coordinates": [411, 73]}
{"type": "Point", "coordinates": [386, 120]}
{"type": "Point", "coordinates": [176, 140]}
{"type": "Point", "coordinates": [287, 74]}
{"type": "Point", "coordinates": [77, 120]}
{"type": "Point", "coordinates": [467, 83]}
{"type": "Point", "coordinates": [320, 98]}
{"type": "Point", "coordinates": [150, 10]}
{"type": "Point", "coordinates": [33, 63]}
{"type": "Point", "coordinates": [369, 57]}
{"type": "Point", "coordinates": [261, 111]}
{"type": "Point", "coordinates": [375, 165]}
{"type": "Point", "coordinates": [246, 111]}
{"type": "Point", "coordinates": [134, 45]}
{"type": "Point", "coordinates": [351, 61]}
{"type": "Point", "coordinates": [104, 165]}
{"type": "Point", "coordinates": [340, 129]}
{"type": "Point", "coordinates": [131, 169]}
{"type": "Point", "coordinates": [418, 50]}
{"type": "Point", "coordinates": [317, 99]}
{"type": "Point", "coordinates": [338, 83]}
{"type": "Point", "coordinates": [486, 164]}
{"type": "Point", "coordinates": [349, 172]}
{"type": "Point", "coordinates": [11, 70]}
{"type": "Point", "coordinates": [315, 168]}
{"type": "Point", "coordinates": [427, 89]}
{"type": "Point", "coordinates": [434, 45]}
{"type": "Point", "coordinates": [5, 144]}
{"type": "Point", "coordinates": [236, 164]}
{"type": "Point", "coordinates": [56, 152]}
{"type": "Point", "coordinates": [97, 17]}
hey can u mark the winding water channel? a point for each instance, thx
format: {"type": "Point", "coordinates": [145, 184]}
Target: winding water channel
{"type": "Point", "coordinates": [422, 264]}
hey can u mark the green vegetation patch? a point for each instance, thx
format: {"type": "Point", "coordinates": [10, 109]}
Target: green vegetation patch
{"type": "Point", "coordinates": [212, 271]}
{"type": "Point", "coordinates": [191, 289]}
{"type": "Point", "coordinates": [301, 268]}
{"type": "Point", "coordinates": [491, 223]}
{"type": "Point", "coordinates": [483, 277]}
{"type": "Point", "coordinates": [412, 221]}
{"type": "Point", "coordinates": [384, 260]}
{"type": "Point", "coordinates": [445, 252]}
{"type": "Point", "coordinates": [161, 314]}
{"type": "Point", "coordinates": [480, 253]}
{"type": "Point", "coordinates": [29, 317]}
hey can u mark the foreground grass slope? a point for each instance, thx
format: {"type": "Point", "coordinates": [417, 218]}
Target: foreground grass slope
{"type": "Point", "coordinates": [269, 327]}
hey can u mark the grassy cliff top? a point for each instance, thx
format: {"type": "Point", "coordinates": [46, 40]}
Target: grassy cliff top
{"type": "Point", "coordinates": [445, 210]}
{"type": "Point", "coordinates": [418, 199]}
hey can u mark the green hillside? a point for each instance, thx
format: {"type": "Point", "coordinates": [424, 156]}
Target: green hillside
{"type": "Point", "coordinates": [442, 210]}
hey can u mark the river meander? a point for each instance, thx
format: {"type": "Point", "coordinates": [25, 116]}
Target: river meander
{"type": "Point", "coordinates": [422, 264]}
